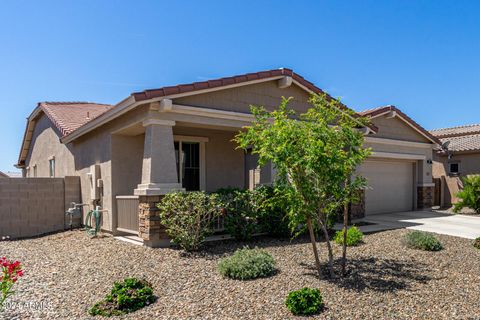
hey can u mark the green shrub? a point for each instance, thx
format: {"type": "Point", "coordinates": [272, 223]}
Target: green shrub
{"type": "Point", "coordinates": [188, 217]}
{"type": "Point", "coordinates": [423, 241]}
{"type": "Point", "coordinates": [272, 215]}
{"type": "Point", "coordinates": [304, 302]}
{"type": "Point", "coordinates": [469, 197]}
{"type": "Point", "coordinates": [127, 296]}
{"type": "Point", "coordinates": [476, 243]}
{"type": "Point", "coordinates": [354, 236]}
{"type": "Point", "coordinates": [241, 215]}
{"type": "Point", "coordinates": [247, 264]}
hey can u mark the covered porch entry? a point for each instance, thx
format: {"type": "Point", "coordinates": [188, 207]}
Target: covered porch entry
{"type": "Point", "coordinates": [159, 156]}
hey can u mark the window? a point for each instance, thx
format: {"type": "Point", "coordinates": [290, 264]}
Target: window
{"type": "Point", "coordinates": [51, 166]}
{"type": "Point", "coordinates": [187, 156]}
{"type": "Point", "coordinates": [454, 168]}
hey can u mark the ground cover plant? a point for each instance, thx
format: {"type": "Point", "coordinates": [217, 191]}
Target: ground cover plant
{"type": "Point", "coordinates": [423, 241]}
{"type": "Point", "coordinates": [127, 296]}
{"type": "Point", "coordinates": [476, 243]}
{"type": "Point", "coordinates": [246, 264]}
{"type": "Point", "coordinates": [304, 302]}
{"type": "Point", "coordinates": [354, 237]}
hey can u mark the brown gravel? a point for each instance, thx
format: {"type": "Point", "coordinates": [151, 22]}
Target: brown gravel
{"type": "Point", "coordinates": [68, 272]}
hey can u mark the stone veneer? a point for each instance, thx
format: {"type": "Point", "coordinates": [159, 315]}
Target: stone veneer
{"type": "Point", "coordinates": [150, 229]}
{"type": "Point", "coordinates": [425, 196]}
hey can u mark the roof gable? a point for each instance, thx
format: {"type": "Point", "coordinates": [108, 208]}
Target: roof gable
{"type": "Point", "coordinates": [64, 116]}
{"type": "Point", "coordinates": [394, 124]}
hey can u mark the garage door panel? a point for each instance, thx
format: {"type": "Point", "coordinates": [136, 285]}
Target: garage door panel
{"type": "Point", "coordinates": [390, 186]}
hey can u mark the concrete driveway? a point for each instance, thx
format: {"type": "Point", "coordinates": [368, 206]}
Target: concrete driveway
{"type": "Point", "coordinates": [443, 223]}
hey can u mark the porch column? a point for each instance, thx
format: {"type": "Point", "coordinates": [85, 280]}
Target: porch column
{"type": "Point", "coordinates": [159, 177]}
{"type": "Point", "coordinates": [159, 169]}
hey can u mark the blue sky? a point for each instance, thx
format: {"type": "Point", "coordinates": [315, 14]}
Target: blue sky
{"type": "Point", "coordinates": [422, 56]}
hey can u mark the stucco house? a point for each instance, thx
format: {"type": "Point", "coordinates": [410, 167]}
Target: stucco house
{"type": "Point", "coordinates": [180, 138]}
{"type": "Point", "coordinates": [460, 156]}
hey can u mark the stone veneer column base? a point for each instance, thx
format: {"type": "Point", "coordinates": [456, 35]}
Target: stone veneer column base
{"type": "Point", "coordinates": [425, 196]}
{"type": "Point", "coordinates": [150, 229]}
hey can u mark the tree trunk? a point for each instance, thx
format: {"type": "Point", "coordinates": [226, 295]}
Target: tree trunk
{"type": "Point", "coordinates": [345, 229]}
{"type": "Point", "coordinates": [329, 247]}
{"type": "Point", "coordinates": [314, 246]}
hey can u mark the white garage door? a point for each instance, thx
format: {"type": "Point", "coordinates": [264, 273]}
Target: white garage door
{"type": "Point", "coordinates": [390, 186]}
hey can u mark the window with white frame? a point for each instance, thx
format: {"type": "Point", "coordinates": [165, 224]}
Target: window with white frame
{"type": "Point", "coordinates": [51, 167]}
{"type": "Point", "coordinates": [190, 161]}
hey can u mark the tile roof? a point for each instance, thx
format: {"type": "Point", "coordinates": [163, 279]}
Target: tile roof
{"type": "Point", "coordinates": [456, 131]}
{"type": "Point", "coordinates": [68, 116]}
{"type": "Point", "coordinates": [221, 82]}
{"type": "Point", "coordinates": [380, 110]}
{"type": "Point", "coordinates": [469, 142]}
{"type": "Point", "coordinates": [461, 138]}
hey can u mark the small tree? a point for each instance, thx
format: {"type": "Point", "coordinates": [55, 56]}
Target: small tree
{"type": "Point", "coordinates": [470, 195]}
{"type": "Point", "coordinates": [314, 153]}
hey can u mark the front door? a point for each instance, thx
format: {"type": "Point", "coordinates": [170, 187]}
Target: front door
{"type": "Point", "coordinates": [187, 156]}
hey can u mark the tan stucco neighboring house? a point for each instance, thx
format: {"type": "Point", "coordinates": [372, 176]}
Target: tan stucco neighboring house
{"type": "Point", "coordinates": [460, 156]}
{"type": "Point", "coordinates": [180, 138]}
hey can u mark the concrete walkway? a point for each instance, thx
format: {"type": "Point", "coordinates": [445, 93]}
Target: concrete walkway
{"type": "Point", "coordinates": [450, 224]}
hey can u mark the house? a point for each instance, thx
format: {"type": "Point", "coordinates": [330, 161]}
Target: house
{"type": "Point", "coordinates": [460, 156]}
{"type": "Point", "coordinates": [180, 138]}
{"type": "Point", "coordinates": [3, 175]}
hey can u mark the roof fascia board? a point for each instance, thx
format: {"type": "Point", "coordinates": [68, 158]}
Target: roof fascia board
{"type": "Point", "coordinates": [398, 142]}
{"type": "Point", "coordinates": [400, 156]}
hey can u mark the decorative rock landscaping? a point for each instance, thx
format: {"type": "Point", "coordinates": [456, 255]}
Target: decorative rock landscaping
{"type": "Point", "coordinates": [66, 273]}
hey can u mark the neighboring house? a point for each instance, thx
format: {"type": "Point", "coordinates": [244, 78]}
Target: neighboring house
{"type": "Point", "coordinates": [3, 175]}
{"type": "Point", "coordinates": [460, 156]}
{"type": "Point", "coordinates": [180, 138]}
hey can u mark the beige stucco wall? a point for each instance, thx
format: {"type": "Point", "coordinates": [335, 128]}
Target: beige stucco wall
{"type": "Point", "coordinates": [46, 144]}
{"type": "Point", "coordinates": [96, 148]}
{"type": "Point", "coordinates": [239, 99]}
{"type": "Point", "coordinates": [395, 128]}
{"type": "Point", "coordinates": [469, 163]}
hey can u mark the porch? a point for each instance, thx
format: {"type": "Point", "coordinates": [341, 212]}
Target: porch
{"type": "Point", "coordinates": [159, 156]}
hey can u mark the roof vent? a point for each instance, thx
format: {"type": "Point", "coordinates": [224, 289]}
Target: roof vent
{"type": "Point", "coordinates": [88, 115]}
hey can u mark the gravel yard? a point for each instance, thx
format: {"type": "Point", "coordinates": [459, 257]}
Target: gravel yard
{"type": "Point", "coordinates": [68, 273]}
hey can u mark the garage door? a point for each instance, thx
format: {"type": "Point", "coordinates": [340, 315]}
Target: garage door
{"type": "Point", "coordinates": [390, 186]}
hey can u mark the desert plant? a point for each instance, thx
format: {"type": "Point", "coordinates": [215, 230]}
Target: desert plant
{"type": "Point", "coordinates": [10, 272]}
{"type": "Point", "coordinates": [476, 243]}
{"type": "Point", "coordinates": [188, 217]}
{"type": "Point", "coordinates": [305, 302]}
{"type": "Point", "coordinates": [247, 264]}
{"type": "Point", "coordinates": [127, 296]}
{"type": "Point", "coordinates": [469, 196]}
{"type": "Point", "coordinates": [354, 236]}
{"type": "Point", "coordinates": [423, 241]}
{"type": "Point", "coordinates": [313, 154]}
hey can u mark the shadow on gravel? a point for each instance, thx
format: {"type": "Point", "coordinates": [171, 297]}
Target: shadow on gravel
{"type": "Point", "coordinates": [218, 249]}
{"type": "Point", "coordinates": [382, 275]}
